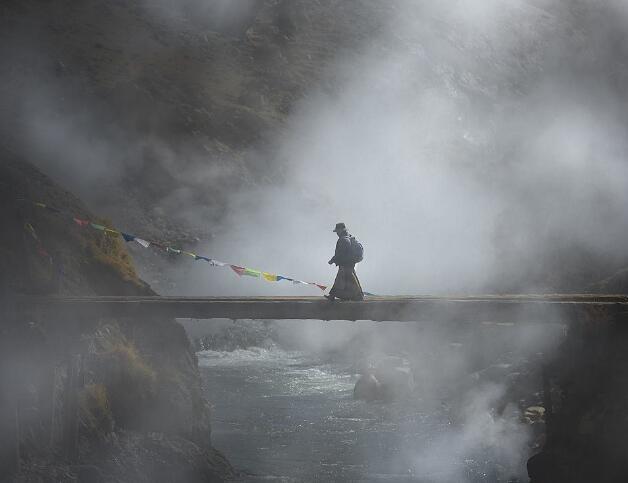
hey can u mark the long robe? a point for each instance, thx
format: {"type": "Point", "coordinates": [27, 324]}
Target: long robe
{"type": "Point", "coordinates": [347, 286]}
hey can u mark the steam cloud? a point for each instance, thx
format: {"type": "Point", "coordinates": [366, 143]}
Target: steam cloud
{"type": "Point", "coordinates": [470, 145]}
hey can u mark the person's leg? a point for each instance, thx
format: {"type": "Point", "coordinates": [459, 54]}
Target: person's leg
{"type": "Point", "coordinates": [337, 287]}
{"type": "Point", "coordinates": [351, 289]}
{"type": "Point", "coordinates": [357, 288]}
{"type": "Point", "coordinates": [342, 285]}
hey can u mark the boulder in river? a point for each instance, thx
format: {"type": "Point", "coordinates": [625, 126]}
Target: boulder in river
{"type": "Point", "coordinates": [389, 380]}
{"type": "Point", "coordinates": [368, 388]}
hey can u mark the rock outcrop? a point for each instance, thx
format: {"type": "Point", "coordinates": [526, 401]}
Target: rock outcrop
{"type": "Point", "coordinates": [391, 379]}
{"type": "Point", "coordinates": [586, 395]}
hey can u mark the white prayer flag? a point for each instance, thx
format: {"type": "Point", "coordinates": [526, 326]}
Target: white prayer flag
{"type": "Point", "coordinates": [142, 242]}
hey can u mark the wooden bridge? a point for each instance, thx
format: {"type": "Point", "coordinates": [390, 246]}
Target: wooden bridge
{"type": "Point", "coordinates": [554, 307]}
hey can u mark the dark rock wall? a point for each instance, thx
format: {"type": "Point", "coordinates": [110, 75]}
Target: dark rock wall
{"type": "Point", "coordinates": [586, 423]}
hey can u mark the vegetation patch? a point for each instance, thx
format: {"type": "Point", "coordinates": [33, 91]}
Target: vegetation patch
{"type": "Point", "coordinates": [109, 252]}
{"type": "Point", "coordinates": [95, 412]}
{"type": "Point", "coordinates": [129, 379]}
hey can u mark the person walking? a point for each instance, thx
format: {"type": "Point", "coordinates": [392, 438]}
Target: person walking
{"type": "Point", "coordinates": [348, 252]}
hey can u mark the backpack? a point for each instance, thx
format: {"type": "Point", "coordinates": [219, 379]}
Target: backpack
{"type": "Point", "coordinates": [356, 251]}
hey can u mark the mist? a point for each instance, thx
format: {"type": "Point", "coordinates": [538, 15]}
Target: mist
{"type": "Point", "coordinates": [463, 146]}
{"type": "Point", "coordinates": [473, 146]}
{"type": "Point", "coordinates": [469, 147]}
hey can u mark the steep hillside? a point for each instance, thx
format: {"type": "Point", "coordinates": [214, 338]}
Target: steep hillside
{"type": "Point", "coordinates": [132, 385]}
{"type": "Point", "coordinates": [44, 252]}
{"type": "Point", "coordinates": [157, 93]}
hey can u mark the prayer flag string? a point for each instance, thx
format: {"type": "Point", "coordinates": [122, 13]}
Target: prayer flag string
{"type": "Point", "coordinates": [240, 271]}
{"type": "Point", "coordinates": [40, 247]}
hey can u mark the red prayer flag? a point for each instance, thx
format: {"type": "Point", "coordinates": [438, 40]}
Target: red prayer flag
{"type": "Point", "coordinates": [239, 270]}
{"type": "Point", "coordinates": [80, 222]}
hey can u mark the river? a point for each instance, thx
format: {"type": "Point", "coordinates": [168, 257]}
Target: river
{"type": "Point", "coordinates": [290, 415]}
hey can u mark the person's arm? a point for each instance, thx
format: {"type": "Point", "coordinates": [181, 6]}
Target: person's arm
{"type": "Point", "coordinates": [335, 257]}
{"type": "Point", "coordinates": [337, 254]}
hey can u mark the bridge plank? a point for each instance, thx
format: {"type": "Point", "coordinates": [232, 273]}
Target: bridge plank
{"type": "Point", "coordinates": [384, 308]}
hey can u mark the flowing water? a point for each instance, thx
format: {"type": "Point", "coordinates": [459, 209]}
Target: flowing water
{"type": "Point", "coordinates": [290, 416]}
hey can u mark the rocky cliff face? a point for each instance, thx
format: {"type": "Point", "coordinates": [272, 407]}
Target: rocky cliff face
{"type": "Point", "coordinates": [182, 99]}
{"type": "Point", "coordinates": [97, 400]}
{"type": "Point", "coordinates": [585, 400]}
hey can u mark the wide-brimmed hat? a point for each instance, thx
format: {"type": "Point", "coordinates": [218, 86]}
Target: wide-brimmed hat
{"type": "Point", "coordinates": [340, 227]}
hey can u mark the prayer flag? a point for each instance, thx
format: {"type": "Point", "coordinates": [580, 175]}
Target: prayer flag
{"type": "Point", "coordinates": [238, 270]}
{"type": "Point", "coordinates": [98, 227]}
{"type": "Point", "coordinates": [280, 277]}
{"type": "Point", "coordinates": [252, 273]}
{"type": "Point", "coordinates": [299, 282]}
{"type": "Point", "coordinates": [270, 277]}
{"type": "Point", "coordinates": [211, 261]}
{"type": "Point", "coordinates": [109, 231]}
{"type": "Point", "coordinates": [189, 254]}
{"type": "Point", "coordinates": [322, 287]}
{"type": "Point", "coordinates": [173, 250]}
{"type": "Point", "coordinates": [31, 230]}
{"type": "Point", "coordinates": [37, 203]}
{"type": "Point", "coordinates": [127, 237]}
{"type": "Point", "coordinates": [245, 271]}
{"type": "Point", "coordinates": [80, 222]}
{"type": "Point", "coordinates": [142, 242]}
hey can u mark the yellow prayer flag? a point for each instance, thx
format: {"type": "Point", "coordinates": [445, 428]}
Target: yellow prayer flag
{"type": "Point", "coordinates": [269, 276]}
{"type": "Point", "coordinates": [111, 232]}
